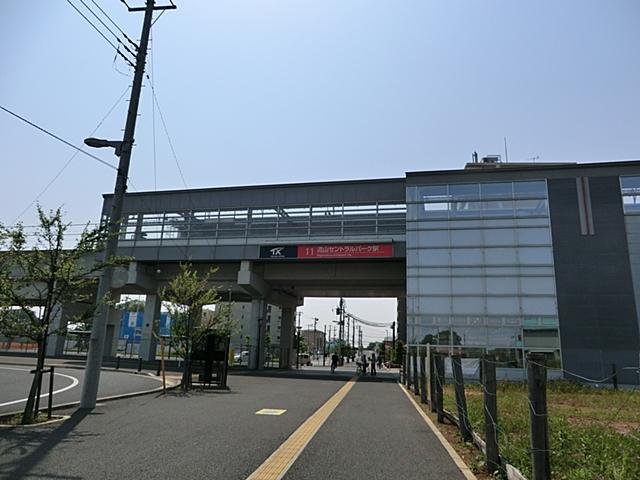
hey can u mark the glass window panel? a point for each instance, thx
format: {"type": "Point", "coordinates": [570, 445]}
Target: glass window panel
{"type": "Point", "coordinates": [496, 190]}
{"type": "Point", "coordinates": [530, 189]}
{"type": "Point", "coordinates": [468, 305]}
{"type": "Point", "coordinates": [412, 257]}
{"type": "Point", "coordinates": [434, 225]}
{"type": "Point", "coordinates": [537, 285]}
{"type": "Point", "coordinates": [539, 338]}
{"type": "Point", "coordinates": [432, 192]}
{"type": "Point", "coordinates": [434, 335]}
{"type": "Point", "coordinates": [531, 208]}
{"type": "Point", "coordinates": [469, 285]}
{"type": "Point", "coordinates": [539, 306]}
{"type": "Point", "coordinates": [502, 306]}
{"type": "Point", "coordinates": [466, 256]}
{"type": "Point", "coordinates": [503, 337]}
{"type": "Point", "coordinates": [501, 271]}
{"type": "Point", "coordinates": [631, 204]}
{"type": "Point", "coordinates": [527, 270]}
{"type": "Point", "coordinates": [414, 212]}
{"type": "Point", "coordinates": [500, 256]}
{"type": "Point", "coordinates": [436, 210]}
{"type": "Point", "coordinates": [498, 223]}
{"type": "Point", "coordinates": [433, 238]}
{"type": "Point", "coordinates": [434, 257]}
{"type": "Point", "coordinates": [534, 236]}
{"type": "Point", "coordinates": [464, 191]}
{"type": "Point", "coordinates": [435, 286]}
{"type": "Point", "coordinates": [467, 272]}
{"type": "Point", "coordinates": [434, 305]}
{"type": "Point", "coordinates": [502, 285]}
{"type": "Point", "coordinates": [466, 238]}
{"type": "Point", "coordinates": [412, 286]}
{"type": "Point", "coordinates": [532, 222]}
{"type": "Point", "coordinates": [463, 209]}
{"type": "Point", "coordinates": [497, 208]}
{"type": "Point", "coordinates": [535, 255]}
{"type": "Point", "coordinates": [434, 271]}
{"type": "Point", "coordinates": [630, 185]}
{"type": "Point", "coordinates": [500, 236]}
{"type": "Point", "coordinates": [412, 239]}
{"type": "Point", "coordinates": [412, 194]}
{"type": "Point", "coordinates": [473, 336]}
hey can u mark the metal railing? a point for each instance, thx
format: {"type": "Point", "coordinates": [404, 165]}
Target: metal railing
{"type": "Point", "coordinates": [276, 222]}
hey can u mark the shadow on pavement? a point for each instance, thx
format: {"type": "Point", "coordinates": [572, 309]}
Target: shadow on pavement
{"type": "Point", "coordinates": [22, 449]}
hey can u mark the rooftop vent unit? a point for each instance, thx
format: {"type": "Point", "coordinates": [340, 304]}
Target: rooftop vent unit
{"type": "Point", "coordinates": [491, 159]}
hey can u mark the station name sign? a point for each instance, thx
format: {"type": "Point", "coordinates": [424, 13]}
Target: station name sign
{"type": "Point", "coordinates": [331, 251]}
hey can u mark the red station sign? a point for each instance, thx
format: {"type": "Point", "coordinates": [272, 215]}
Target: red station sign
{"type": "Point", "coordinates": [351, 250]}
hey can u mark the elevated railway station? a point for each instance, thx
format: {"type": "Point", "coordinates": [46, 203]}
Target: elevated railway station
{"type": "Point", "coordinates": [495, 257]}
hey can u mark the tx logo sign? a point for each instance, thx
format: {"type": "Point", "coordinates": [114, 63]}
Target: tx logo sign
{"type": "Point", "coordinates": [278, 252]}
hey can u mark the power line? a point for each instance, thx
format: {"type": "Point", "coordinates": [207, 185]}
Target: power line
{"type": "Point", "coordinates": [164, 126]}
{"type": "Point", "coordinates": [153, 116]}
{"type": "Point", "coordinates": [135, 45]}
{"type": "Point", "coordinates": [101, 34]}
{"type": "Point", "coordinates": [108, 29]}
{"type": "Point", "coordinates": [157, 18]}
{"type": "Point", "coordinates": [64, 167]}
{"type": "Point", "coordinates": [58, 138]}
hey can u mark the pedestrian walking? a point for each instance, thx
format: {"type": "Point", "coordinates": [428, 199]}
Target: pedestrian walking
{"type": "Point", "coordinates": [364, 364]}
{"type": "Point", "coordinates": [334, 361]}
{"type": "Point", "coordinates": [373, 364]}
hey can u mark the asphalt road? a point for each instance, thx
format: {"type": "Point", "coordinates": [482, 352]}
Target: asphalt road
{"type": "Point", "coordinates": [374, 433]}
{"type": "Point", "coordinates": [15, 382]}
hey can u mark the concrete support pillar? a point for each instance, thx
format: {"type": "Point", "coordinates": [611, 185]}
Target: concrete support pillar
{"type": "Point", "coordinates": [287, 333]}
{"type": "Point", "coordinates": [55, 343]}
{"type": "Point", "coordinates": [257, 331]}
{"type": "Point", "coordinates": [114, 319]}
{"type": "Point", "coordinates": [151, 319]}
{"type": "Point", "coordinates": [402, 319]}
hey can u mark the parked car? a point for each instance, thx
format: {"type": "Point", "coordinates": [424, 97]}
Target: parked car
{"type": "Point", "coordinates": [241, 357]}
{"type": "Point", "coordinates": [305, 359]}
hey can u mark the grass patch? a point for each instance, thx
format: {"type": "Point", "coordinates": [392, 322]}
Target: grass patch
{"type": "Point", "coordinates": [594, 433]}
{"type": "Point", "coordinates": [16, 419]}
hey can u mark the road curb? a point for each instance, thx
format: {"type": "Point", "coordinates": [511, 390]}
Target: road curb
{"type": "Point", "coordinates": [463, 467]}
{"type": "Point", "coordinates": [109, 398]}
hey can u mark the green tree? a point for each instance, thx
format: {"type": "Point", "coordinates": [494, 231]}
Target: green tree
{"type": "Point", "coordinates": [186, 296]}
{"type": "Point", "coordinates": [398, 352]}
{"type": "Point", "coordinates": [303, 346]}
{"type": "Point", "coordinates": [38, 276]}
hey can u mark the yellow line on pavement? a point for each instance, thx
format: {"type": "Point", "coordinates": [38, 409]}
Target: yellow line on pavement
{"type": "Point", "coordinates": [281, 460]}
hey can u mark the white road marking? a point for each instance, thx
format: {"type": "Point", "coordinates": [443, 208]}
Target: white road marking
{"type": "Point", "coordinates": [74, 383]}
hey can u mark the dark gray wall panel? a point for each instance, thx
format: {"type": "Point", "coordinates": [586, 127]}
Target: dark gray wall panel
{"type": "Point", "coordinates": [596, 304]}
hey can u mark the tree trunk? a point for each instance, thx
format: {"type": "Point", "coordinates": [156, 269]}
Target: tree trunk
{"type": "Point", "coordinates": [30, 413]}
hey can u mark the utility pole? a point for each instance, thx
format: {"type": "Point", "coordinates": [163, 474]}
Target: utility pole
{"type": "Point", "coordinates": [123, 150]}
{"type": "Point", "coordinates": [346, 338]}
{"type": "Point", "coordinates": [324, 345]}
{"type": "Point", "coordinates": [341, 330]}
{"type": "Point", "coordinates": [393, 332]}
{"type": "Point", "coordinates": [353, 341]}
{"type": "Point", "coordinates": [299, 328]}
{"type": "Point", "coordinates": [316, 343]}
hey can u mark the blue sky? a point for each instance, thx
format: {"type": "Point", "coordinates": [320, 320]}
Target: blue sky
{"type": "Point", "coordinates": [265, 91]}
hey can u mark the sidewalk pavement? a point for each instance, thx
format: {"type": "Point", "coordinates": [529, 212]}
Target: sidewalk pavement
{"type": "Point", "coordinates": [375, 433]}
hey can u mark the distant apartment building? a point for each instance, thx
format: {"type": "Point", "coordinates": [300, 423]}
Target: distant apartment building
{"type": "Point", "coordinates": [241, 313]}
